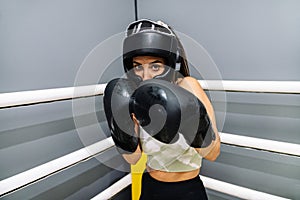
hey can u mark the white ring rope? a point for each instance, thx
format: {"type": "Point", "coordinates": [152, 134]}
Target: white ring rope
{"type": "Point", "coordinates": [114, 188]}
{"type": "Point", "coordinates": [22, 98]}
{"type": "Point", "coordinates": [12, 99]}
{"type": "Point", "coordinates": [35, 174]}
{"type": "Point", "coordinates": [261, 144]}
{"type": "Point", "coordinates": [291, 87]}
{"type": "Point", "coordinates": [237, 191]}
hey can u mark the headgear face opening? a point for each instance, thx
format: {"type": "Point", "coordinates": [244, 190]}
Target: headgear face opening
{"type": "Point", "coordinates": [149, 38]}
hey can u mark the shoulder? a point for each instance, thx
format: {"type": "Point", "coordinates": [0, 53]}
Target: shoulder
{"type": "Point", "coordinates": [190, 83]}
{"type": "Point", "coordinates": [188, 80]}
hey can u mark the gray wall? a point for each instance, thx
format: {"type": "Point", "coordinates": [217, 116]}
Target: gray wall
{"type": "Point", "coordinates": [43, 44]}
{"type": "Point", "coordinates": [248, 40]}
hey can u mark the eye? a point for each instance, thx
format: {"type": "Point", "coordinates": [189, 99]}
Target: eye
{"type": "Point", "coordinates": [156, 67]}
{"type": "Point", "coordinates": [138, 68]}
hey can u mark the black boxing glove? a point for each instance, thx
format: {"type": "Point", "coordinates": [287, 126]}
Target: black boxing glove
{"type": "Point", "coordinates": [157, 109]}
{"type": "Point", "coordinates": [116, 106]}
{"type": "Point", "coordinates": [196, 126]}
{"type": "Point", "coordinates": [164, 109]}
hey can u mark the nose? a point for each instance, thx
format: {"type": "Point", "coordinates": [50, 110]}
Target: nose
{"type": "Point", "coordinates": [146, 74]}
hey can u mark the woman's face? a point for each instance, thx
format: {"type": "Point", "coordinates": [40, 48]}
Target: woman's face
{"type": "Point", "coordinates": [148, 67]}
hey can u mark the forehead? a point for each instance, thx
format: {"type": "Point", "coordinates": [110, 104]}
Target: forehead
{"type": "Point", "coordinates": [147, 59]}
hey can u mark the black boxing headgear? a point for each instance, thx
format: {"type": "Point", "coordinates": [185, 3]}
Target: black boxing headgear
{"type": "Point", "coordinates": [149, 38]}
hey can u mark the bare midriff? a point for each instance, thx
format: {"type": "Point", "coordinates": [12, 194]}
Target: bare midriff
{"type": "Point", "coordinates": [172, 176]}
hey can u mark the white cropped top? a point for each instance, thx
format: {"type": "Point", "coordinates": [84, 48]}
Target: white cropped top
{"type": "Point", "coordinates": [175, 157]}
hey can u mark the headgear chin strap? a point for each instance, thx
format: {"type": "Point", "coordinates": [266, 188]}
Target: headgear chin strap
{"type": "Point", "coordinates": [149, 38]}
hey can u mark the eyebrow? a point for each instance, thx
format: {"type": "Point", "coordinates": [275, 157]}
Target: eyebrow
{"type": "Point", "coordinates": [156, 61]}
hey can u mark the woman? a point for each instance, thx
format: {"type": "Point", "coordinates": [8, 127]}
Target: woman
{"type": "Point", "coordinates": [153, 51]}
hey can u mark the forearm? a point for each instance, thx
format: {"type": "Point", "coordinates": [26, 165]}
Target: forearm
{"type": "Point", "coordinates": [212, 151]}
